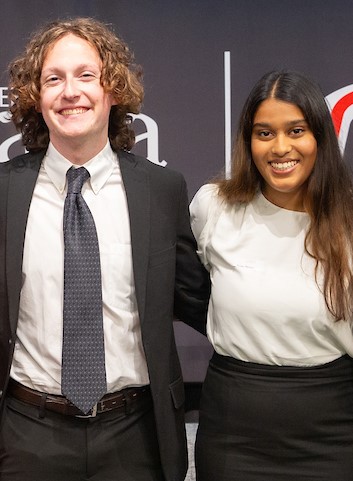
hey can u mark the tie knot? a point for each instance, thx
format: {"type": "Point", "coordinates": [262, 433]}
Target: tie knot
{"type": "Point", "coordinates": [75, 179]}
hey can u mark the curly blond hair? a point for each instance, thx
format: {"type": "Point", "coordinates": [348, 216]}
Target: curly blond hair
{"type": "Point", "coordinates": [120, 76]}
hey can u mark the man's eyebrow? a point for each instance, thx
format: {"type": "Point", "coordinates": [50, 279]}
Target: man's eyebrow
{"type": "Point", "coordinates": [83, 66]}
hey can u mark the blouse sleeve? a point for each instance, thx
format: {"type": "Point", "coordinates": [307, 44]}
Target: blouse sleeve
{"type": "Point", "coordinates": [202, 210]}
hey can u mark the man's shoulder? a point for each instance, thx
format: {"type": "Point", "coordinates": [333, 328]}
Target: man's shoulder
{"type": "Point", "coordinates": [22, 161]}
{"type": "Point", "coordinates": [155, 170]}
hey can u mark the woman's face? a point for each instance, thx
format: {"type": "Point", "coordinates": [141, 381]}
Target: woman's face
{"type": "Point", "coordinates": [284, 151]}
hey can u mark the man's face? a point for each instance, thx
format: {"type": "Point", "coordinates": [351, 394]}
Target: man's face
{"type": "Point", "coordinates": [73, 103]}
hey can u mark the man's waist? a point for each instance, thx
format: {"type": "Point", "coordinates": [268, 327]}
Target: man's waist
{"type": "Point", "coordinates": [121, 400]}
{"type": "Point", "coordinates": [44, 375]}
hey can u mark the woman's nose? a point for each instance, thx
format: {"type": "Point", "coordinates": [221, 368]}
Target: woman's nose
{"type": "Point", "coordinates": [281, 145]}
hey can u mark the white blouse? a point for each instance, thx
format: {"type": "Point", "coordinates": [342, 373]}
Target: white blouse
{"type": "Point", "coordinates": [265, 305]}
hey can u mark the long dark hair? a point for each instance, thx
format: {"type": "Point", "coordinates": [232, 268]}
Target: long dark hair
{"type": "Point", "coordinates": [328, 196]}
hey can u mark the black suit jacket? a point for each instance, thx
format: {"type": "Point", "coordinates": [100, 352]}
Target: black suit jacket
{"type": "Point", "coordinates": [169, 280]}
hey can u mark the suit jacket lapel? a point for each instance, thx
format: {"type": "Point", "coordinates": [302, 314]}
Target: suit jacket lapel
{"type": "Point", "coordinates": [136, 183]}
{"type": "Point", "coordinates": [21, 184]}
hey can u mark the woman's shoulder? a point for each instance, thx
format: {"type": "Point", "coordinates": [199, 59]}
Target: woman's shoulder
{"type": "Point", "coordinates": [202, 205]}
{"type": "Point", "coordinates": [206, 195]}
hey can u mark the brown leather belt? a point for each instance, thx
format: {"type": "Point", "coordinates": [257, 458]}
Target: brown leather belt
{"type": "Point", "coordinates": [123, 400]}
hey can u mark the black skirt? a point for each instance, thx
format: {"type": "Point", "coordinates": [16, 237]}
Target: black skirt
{"type": "Point", "coordinates": [276, 423]}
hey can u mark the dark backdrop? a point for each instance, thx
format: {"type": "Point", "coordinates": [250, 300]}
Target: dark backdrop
{"type": "Point", "coordinates": [181, 45]}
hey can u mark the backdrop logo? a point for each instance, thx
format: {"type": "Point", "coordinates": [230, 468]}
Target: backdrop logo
{"type": "Point", "coordinates": [340, 103]}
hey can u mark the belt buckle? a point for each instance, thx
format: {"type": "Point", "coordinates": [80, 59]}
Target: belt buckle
{"type": "Point", "coordinates": [91, 414]}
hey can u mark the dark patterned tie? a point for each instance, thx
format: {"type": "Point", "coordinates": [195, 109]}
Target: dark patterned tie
{"type": "Point", "coordinates": [83, 361]}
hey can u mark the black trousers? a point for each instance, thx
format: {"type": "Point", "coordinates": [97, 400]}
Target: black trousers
{"type": "Point", "coordinates": [276, 423]}
{"type": "Point", "coordinates": [108, 447]}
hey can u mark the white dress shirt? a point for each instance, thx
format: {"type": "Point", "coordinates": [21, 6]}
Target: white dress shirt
{"type": "Point", "coordinates": [265, 306]}
{"type": "Point", "coordinates": [37, 357]}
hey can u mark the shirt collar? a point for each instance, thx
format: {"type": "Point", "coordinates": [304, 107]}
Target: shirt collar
{"type": "Point", "coordinates": [100, 167]}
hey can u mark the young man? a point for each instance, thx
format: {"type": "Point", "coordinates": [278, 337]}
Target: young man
{"type": "Point", "coordinates": [92, 262]}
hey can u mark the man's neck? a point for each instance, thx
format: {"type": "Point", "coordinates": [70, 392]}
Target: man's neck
{"type": "Point", "coordinates": [79, 153]}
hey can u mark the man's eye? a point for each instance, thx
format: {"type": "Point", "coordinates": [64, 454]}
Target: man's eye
{"type": "Point", "coordinates": [52, 79]}
{"type": "Point", "coordinates": [88, 75]}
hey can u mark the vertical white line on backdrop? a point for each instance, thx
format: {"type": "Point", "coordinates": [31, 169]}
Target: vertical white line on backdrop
{"type": "Point", "coordinates": [227, 114]}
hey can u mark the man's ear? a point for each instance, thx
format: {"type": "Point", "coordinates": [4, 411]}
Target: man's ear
{"type": "Point", "coordinates": [114, 100]}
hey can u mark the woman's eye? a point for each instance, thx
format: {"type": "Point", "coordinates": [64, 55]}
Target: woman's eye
{"type": "Point", "coordinates": [264, 133]}
{"type": "Point", "coordinates": [298, 131]}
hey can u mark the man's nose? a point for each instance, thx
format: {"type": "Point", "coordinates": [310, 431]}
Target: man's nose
{"type": "Point", "coordinates": [70, 88]}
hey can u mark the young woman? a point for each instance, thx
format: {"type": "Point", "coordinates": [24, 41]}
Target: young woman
{"type": "Point", "coordinates": [277, 238]}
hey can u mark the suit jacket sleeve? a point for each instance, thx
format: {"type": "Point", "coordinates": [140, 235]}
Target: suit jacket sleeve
{"type": "Point", "coordinates": [192, 283]}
